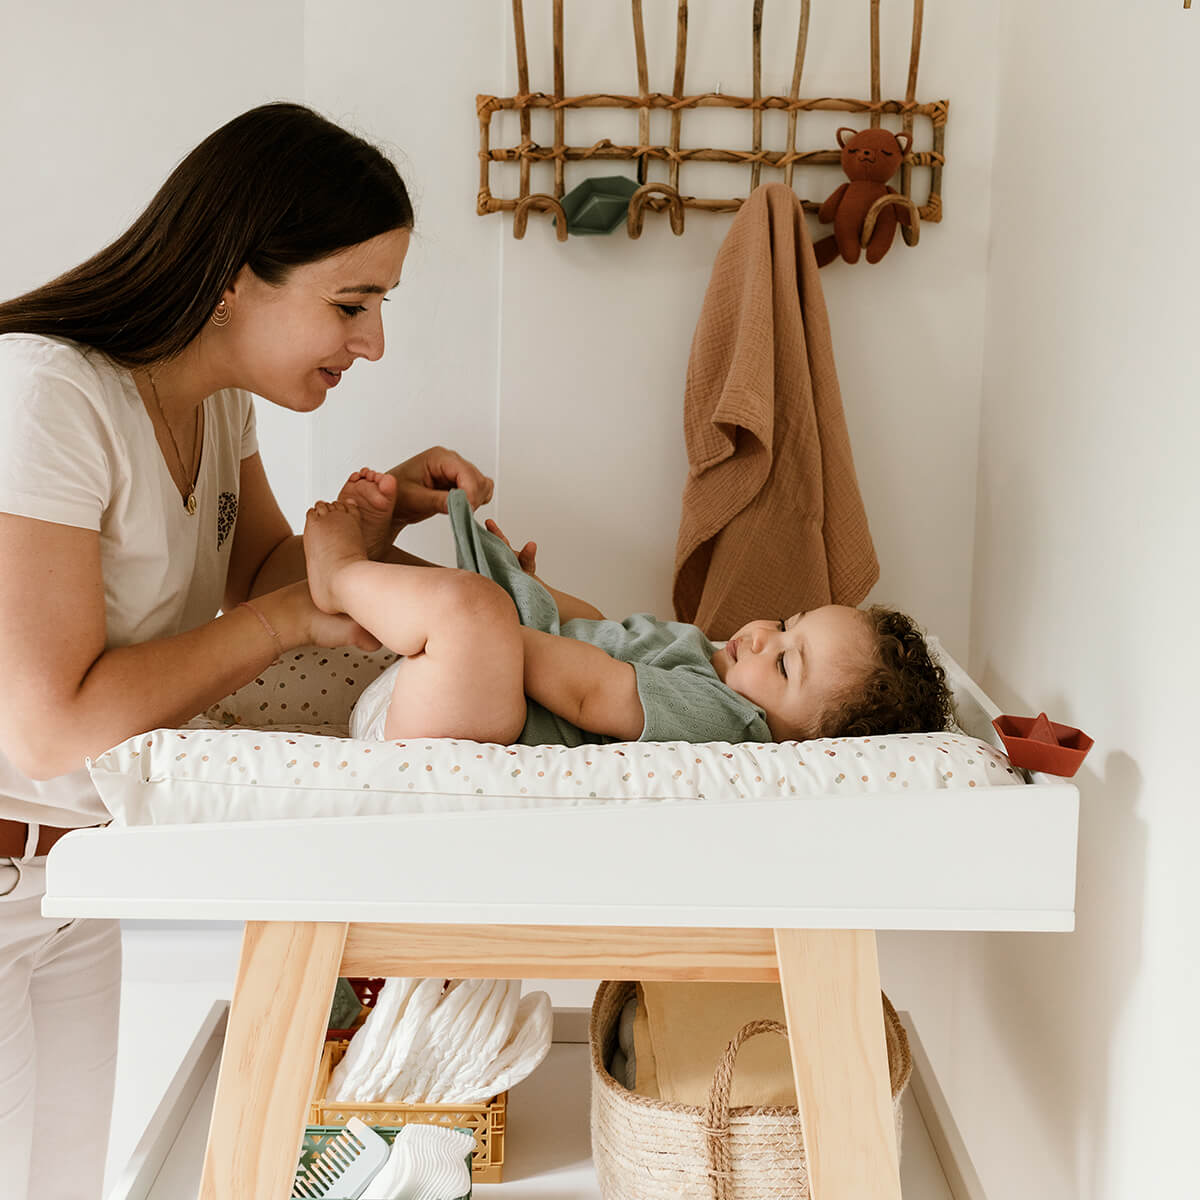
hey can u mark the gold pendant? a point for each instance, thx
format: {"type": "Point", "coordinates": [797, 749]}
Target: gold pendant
{"type": "Point", "coordinates": [190, 503]}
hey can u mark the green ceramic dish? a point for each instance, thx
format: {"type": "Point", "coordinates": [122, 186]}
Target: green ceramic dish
{"type": "Point", "coordinates": [598, 205]}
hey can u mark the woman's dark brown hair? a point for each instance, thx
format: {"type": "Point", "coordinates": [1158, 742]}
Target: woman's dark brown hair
{"type": "Point", "coordinates": [274, 188]}
{"type": "Point", "coordinates": [904, 690]}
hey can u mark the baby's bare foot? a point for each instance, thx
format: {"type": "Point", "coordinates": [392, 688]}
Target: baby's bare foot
{"type": "Point", "coordinates": [333, 539]}
{"type": "Point", "coordinates": [375, 494]}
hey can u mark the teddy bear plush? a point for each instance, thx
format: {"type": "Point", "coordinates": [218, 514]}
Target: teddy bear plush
{"type": "Point", "coordinates": [870, 158]}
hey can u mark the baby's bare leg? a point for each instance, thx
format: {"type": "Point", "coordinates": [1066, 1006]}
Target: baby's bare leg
{"type": "Point", "coordinates": [467, 678]}
{"type": "Point", "coordinates": [459, 633]}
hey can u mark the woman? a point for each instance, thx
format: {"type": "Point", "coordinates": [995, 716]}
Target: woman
{"type": "Point", "coordinates": [133, 506]}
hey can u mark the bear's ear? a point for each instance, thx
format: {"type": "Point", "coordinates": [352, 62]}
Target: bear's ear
{"type": "Point", "coordinates": [845, 129]}
{"type": "Point", "coordinates": [904, 140]}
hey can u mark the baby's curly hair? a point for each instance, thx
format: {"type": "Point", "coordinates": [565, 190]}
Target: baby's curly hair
{"type": "Point", "coordinates": [904, 690]}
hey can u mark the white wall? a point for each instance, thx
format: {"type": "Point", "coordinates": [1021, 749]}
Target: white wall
{"type": "Point", "coordinates": [1072, 1061]}
{"type": "Point", "coordinates": [595, 334]}
{"type": "Point", "coordinates": [558, 367]}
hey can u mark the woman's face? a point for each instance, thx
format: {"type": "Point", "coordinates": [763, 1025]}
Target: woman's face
{"type": "Point", "coordinates": [290, 344]}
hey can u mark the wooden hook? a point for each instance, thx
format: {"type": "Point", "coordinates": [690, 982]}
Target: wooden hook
{"type": "Point", "coordinates": [539, 202]}
{"type": "Point", "coordinates": [899, 202]}
{"type": "Point", "coordinates": [637, 206]}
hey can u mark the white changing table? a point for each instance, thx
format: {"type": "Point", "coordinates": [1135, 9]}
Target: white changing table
{"type": "Point", "coordinates": [738, 891]}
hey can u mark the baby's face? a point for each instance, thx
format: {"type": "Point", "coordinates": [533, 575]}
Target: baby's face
{"type": "Point", "coordinates": [795, 669]}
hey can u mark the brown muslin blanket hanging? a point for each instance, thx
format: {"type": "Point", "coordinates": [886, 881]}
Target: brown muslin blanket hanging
{"type": "Point", "coordinates": [772, 521]}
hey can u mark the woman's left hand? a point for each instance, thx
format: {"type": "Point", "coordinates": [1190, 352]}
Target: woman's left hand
{"type": "Point", "coordinates": [425, 479]}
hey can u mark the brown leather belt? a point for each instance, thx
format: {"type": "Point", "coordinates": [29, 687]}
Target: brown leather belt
{"type": "Point", "coordinates": [14, 835]}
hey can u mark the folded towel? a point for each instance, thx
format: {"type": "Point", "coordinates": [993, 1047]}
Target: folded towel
{"type": "Point", "coordinates": [623, 1064]}
{"type": "Point", "coordinates": [618, 1068]}
{"type": "Point", "coordinates": [626, 1043]}
{"type": "Point", "coordinates": [645, 1070]}
{"type": "Point", "coordinates": [690, 1026]}
{"type": "Point", "coordinates": [346, 1006]}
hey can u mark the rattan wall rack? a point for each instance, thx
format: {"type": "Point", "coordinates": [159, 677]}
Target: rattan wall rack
{"type": "Point", "coordinates": [660, 195]}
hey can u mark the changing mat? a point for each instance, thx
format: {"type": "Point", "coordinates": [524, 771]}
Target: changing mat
{"type": "Point", "coordinates": [277, 749]}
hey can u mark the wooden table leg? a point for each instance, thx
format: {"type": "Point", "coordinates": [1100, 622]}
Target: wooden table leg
{"type": "Point", "coordinates": [830, 981]}
{"type": "Point", "coordinates": [285, 984]}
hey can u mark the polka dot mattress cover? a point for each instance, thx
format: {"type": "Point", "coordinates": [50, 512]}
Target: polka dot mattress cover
{"type": "Point", "coordinates": [278, 748]}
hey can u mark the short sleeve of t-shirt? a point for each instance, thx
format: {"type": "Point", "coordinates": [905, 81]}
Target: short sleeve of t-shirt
{"type": "Point", "coordinates": [57, 447]}
{"type": "Point", "coordinates": [249, 432]}
{"type": "Point", "coordinates": [689, 704]}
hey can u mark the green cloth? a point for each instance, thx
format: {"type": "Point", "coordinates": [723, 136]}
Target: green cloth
{"type": "Point", "coordinates": [346, 1006]}
{"type": "Point", "coordinates": [682, 698]}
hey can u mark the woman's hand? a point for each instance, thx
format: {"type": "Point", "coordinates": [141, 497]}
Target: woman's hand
{"type": "Point", "coordinates": [301, 623]}
{"type": "Point", "coordinates": [423, 481]}
{"type": "Point", "coordinates": [526, 556]}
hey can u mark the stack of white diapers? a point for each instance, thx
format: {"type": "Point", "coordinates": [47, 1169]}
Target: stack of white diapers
{"type": "Point", "coordinates": [429, 1042]}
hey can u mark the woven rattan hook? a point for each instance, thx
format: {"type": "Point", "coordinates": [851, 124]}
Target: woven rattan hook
{"type": "Point", "coordinates": [637, 207]}
{"type": "Point", "coordinates": [899, 202]}
{"type": "Point", "coordinates": [539, 202]}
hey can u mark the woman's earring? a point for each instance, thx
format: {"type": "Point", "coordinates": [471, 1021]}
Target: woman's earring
{"type": "Point", "coordinates": [221, 315]}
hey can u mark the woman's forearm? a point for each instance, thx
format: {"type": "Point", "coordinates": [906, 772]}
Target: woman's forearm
{"type": "Point", "coordinates": [163, 683]}
{"type": "Point", "coordinates": [284, 565]}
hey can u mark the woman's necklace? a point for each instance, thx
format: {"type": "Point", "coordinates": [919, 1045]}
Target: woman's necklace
{"type": "Point", "coordinates": [189, 501]}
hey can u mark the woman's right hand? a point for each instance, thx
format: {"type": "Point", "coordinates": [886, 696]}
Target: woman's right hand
{"type": "Point", "coordinates": [424, 483]}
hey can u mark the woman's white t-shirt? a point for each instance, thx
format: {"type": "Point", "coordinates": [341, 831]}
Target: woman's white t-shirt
{"type": "Point", "coordinates": [78, 448]}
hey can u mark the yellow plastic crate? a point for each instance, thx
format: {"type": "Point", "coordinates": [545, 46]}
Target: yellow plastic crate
{"type": "Point", "coordinates": [484, 1121]}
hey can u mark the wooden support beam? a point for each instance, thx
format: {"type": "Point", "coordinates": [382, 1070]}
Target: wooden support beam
{"type": "Point", "coordinates": [559, 952]}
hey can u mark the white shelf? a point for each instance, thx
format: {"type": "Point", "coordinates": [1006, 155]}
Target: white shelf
{"type": "Point", "coordinates": [547, 1152]}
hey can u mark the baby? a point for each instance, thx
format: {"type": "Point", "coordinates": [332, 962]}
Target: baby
{"type": "Point", "coordinates": [490, 653]}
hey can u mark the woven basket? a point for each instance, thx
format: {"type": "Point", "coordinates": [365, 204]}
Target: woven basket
{"type": "Point", "coordinates": [647, 1149]}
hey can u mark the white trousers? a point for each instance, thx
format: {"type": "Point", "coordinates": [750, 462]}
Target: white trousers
{"type": "Point", "coordinates": [60, 991]}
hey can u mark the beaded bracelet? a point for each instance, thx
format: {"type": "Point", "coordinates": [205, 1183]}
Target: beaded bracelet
{"type": "Point", "coordinates": [265, 624]}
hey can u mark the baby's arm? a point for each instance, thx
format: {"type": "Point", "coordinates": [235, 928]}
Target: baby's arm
{"type": "Point", "coordinates": [570, 607]}
{"type": "Point", "coordinates": [583, 684]}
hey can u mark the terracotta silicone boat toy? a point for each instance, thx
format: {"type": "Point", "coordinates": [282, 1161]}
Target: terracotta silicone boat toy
{"type": "Point", "coordinates": [1039, 744]}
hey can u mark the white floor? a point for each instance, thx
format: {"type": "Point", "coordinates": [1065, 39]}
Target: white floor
{"type": "Point", "coordinates": [172, 979]}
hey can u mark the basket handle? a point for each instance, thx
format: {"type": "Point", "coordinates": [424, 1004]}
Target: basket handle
{"type": "Point", "coordinates": [716, 1125]}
